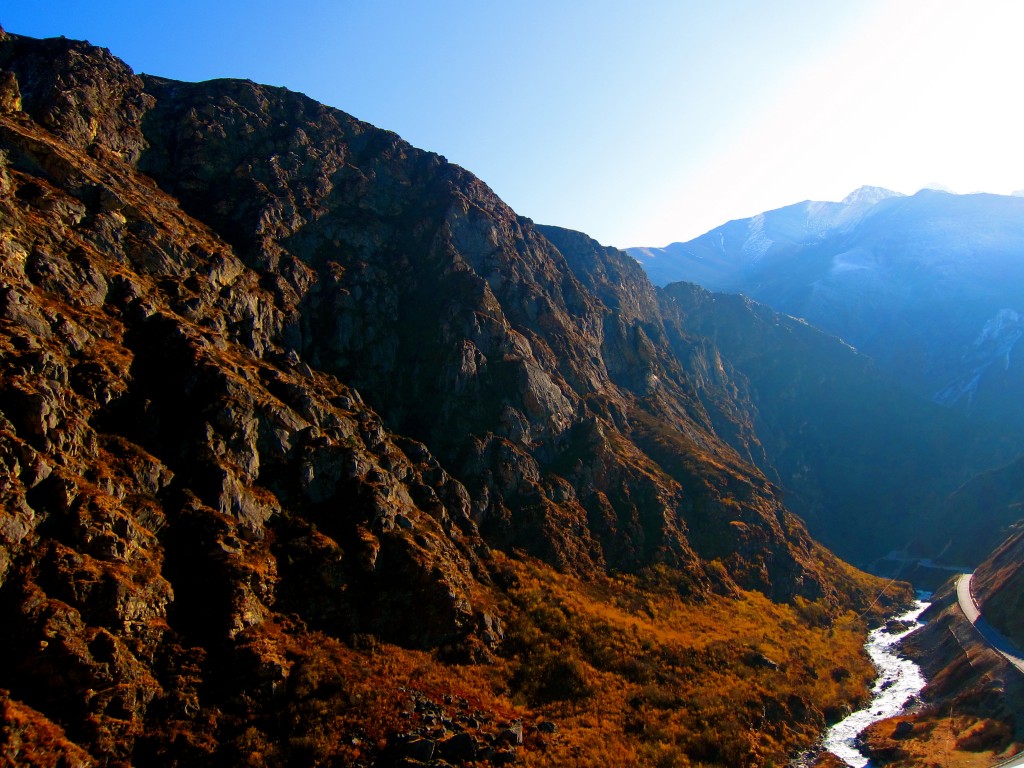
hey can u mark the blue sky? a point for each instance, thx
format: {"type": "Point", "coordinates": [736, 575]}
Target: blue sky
{"type": "Point", "coordinates": [639, 123]}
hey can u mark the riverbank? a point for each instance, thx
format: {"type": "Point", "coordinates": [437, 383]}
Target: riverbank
{"type": "Point", "coordinates": [899, 682]}
{"type": "Point", "coordinates": [967, 718]}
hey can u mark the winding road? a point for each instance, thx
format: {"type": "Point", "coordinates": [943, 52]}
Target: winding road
{"type": "Point", "coordinates": [1013, 762]}
{"type": "Point", "coordinates": [965, 596]}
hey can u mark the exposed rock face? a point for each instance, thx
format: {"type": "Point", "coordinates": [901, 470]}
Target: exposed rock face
{"type": "Point", "coordinates": [417, 285]}
{"type": "Point", "coordinates": [269, 372]}
{"type": "Point", "coordinates": [651, 353]}
{"type": "Point", "coordinates": [81, 94]}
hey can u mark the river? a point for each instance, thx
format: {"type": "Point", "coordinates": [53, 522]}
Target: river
{"type": "Point", "coordinates": [898, 680]}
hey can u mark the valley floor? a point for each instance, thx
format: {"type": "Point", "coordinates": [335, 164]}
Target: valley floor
{"type": "Point", "coordinates": [967, 716]}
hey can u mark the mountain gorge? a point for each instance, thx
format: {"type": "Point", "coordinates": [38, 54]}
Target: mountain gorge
{"type": "Point", "coordinates": [929, 286]}
{"type": "Point", "coordinates": [314, 452]}
{"type": "Point", "coordinates": [970, 712]}
{"type": "Point", "coordinates": [862, 459]}
{"type": "Point", "coordinates": [926, 289]}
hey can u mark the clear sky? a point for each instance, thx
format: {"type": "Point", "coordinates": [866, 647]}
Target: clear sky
{"type": "Point", "coordinates": [640, 123]}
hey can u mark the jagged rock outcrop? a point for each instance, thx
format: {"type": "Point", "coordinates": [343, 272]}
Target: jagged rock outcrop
{"type": "Point", "coordinates": [82, 94]}
{"type": "Point", "coordinates": [273, 381]}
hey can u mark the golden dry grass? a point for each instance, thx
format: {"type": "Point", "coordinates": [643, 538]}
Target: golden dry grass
{"type": "Point", "coordinates": [943, 738]}
{"type": "Point", "coordinates": [631, 673]}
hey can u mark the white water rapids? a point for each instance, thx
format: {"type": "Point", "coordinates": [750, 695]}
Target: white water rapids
{"type": "Point", "coordinates": [898, 680]}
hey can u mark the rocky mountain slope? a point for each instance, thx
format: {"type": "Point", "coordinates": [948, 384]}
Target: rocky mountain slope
{"type": "Point", "coordinates": [839, 435]}
{"type": "Point", "coordinates": [998, 583]}
{"type": "Point", "coordinates": [994, 499]}
{"type": "Point", "coordinates": [927, 285]}
{"type": "Point", "coordinates": [311, 448]}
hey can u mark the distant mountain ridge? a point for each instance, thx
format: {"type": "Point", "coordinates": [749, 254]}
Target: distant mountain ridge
{"type": "Point", "coordinates": [929, 285]}
{"type": "Point", "coordinates": [719, 259]}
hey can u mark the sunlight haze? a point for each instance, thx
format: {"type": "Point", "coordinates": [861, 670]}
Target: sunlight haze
{"type": "Point", "coordinates": [639, 126]}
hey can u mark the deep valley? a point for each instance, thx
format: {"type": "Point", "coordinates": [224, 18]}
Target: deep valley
{"type": "Point", "coordinates": [313, 452]}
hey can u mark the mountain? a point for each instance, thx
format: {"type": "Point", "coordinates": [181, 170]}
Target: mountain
{"type": "Point", "coordinates": [931, 286]}
{"type": "Point", "coordinates": [995, 497]}
{"type": "Point", "coordinates": [724, 258]}
{"type": "Point", "coordinates": [863, 459]}
{"type": "Point", "coordinates": [998, 581]}
{"type": "Point", "coordinates": [315, 453]}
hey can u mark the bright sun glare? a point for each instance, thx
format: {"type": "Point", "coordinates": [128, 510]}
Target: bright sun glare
{"type": "Point", "coordinates": [919, 94]}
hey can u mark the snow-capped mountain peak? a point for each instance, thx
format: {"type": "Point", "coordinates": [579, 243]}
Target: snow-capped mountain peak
{"type": "Point", "coordinates": [870, 195]}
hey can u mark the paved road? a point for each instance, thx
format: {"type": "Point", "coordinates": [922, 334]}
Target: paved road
{"type": "Point", "coordinates": [1014, 762]}
{"type": "Point", "coordinates": [965, 597]}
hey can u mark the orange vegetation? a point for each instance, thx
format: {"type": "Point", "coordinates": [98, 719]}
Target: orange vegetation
{"type": "Point", "coordinates": [629, 672]}
{"type": "Point", "coordinates": [627, 665]}
{"type": "Point", "coordinates": [942, 737]}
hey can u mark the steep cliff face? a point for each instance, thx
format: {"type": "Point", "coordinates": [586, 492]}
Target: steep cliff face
{"type": "Point", "coordinates": [276, 387]}
{"type": "Point", "coordinates": [993, 502]}
{"type": "Point", "coordinates": [674, 364]}
{"type": "Point", "coordinates": [650, 353]}
{"type": "Point", "coordinates": [417, 285]}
